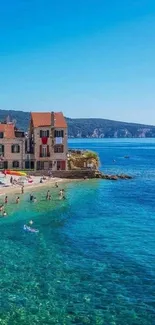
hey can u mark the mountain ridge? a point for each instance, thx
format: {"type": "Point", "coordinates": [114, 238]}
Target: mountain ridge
{"type": "Point", "coordinates": [89, 127]}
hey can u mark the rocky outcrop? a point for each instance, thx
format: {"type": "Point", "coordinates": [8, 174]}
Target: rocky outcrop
{"type": "Point", "coordinates": [113, 177]}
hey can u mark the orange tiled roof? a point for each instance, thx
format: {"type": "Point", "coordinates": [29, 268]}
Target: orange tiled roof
{"type": "Point", "coordinates": [44, 119]}
{"type": "Point", "coordinates": [8, 130]}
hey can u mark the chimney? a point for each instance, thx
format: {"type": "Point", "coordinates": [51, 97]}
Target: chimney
{"type": "Point", "coordinates": [52, 119]}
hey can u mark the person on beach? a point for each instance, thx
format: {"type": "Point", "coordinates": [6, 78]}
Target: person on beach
{"type": "Point", "coordinates": [11, 180]}
{"type": "Point", "coordinates": [6, 200]}
{"type": "Point", "coordinates": [22, 189]}
{"type": "Point", "coordinates": [17, 200]}
{"type": "Point", "coordinates": [49, 173]}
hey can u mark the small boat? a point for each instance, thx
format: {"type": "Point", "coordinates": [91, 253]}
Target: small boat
{"type": "Point", "coordinates": [126, 157]}
{"type": "Point", "coordinates": [29, 229]}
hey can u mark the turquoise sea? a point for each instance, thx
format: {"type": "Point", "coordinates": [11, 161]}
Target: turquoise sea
{"type": "Point", "coordinates": [93, 261]}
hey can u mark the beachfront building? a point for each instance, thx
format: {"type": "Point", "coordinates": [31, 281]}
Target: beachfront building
{"type": "Point", "coordinates": [47, 142]}
{"type": "Point", "coordinates": [12, 147]}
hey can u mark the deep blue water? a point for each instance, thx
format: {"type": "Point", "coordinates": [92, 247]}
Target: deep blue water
{"type": "Point", "coordinates": [93, 261]}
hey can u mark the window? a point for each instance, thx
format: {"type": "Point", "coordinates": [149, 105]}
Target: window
{"type": "Point", "coordinates": [40, 165]}
{"type": "Point", "coordinates": [44, 151]}
{"type": "Point", "coordinates": [58, 149]}
{"type": "Point", "coordinates": [44, 133]}
{"type": "Point", "coordinates": [15, 164]}
{"type": "Point", "coordinates": [15, 148]}
{"type": "Point", "coordinates": [1, 135]}
{"type": "Point", "coordinates": [58, 134]}
{"type": "Point", "coordinates": [1, 149]}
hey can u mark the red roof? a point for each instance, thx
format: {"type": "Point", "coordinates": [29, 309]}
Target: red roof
{"type": "Point", "coordinates": [8, 130]}
{"type": "Point", "coordinates": [44, 119]}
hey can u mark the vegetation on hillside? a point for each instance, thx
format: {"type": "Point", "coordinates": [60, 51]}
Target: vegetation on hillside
{"type": "Point", "coordinates": [88, 128]}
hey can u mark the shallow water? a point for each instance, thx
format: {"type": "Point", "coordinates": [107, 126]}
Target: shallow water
{"type": "Point", "coordinates": [93, 261]}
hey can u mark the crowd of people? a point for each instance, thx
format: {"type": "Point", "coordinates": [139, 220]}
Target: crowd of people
{"type": "Point", "coordinates": [3, 212]}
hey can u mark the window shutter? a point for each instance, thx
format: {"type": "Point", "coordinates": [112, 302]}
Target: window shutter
{"type": "Point", "coordinates": [40, 133]}
{"type": "Point", "coordinates": [48, 152]}
{"type": "Point", "coordinates": [12, 148]}
{"type": "Point", "coordinates": [47, 133]}
{"type": "Point", "coordinates": [18, 149]}
{"type": "Point", "coordinates": [40, 150]}
{"type": "Point", "coordinates": [62, 134]}
{"type": "Point", "coordinates": [2, 148]}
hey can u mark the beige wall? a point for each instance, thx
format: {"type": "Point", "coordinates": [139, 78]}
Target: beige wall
{"type": "Point", "coordinates": [9, 156]}
{"type": "Point", "coordinates": [51, 142]}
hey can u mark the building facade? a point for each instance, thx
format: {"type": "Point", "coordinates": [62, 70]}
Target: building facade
{"type": "Point", "coordinates": [46, 146]}
{"type": "Point", "coordinates": [12, 147]}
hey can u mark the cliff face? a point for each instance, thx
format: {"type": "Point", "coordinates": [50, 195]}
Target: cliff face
{"type": "Point", "coordinates": [89, 128]}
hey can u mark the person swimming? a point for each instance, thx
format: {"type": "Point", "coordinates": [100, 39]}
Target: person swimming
{"type": "Point", "coordinates": [31, 222]}
{"type": "Point", "coordinates": [31, 197]}
{"type": "Point", "coordinates": [4, 214]}
{"type": "Point", "coordinates": [1, 207]}
{"type": "Point", "coordinates": [6, 200]}
{"type": "Point", "coordinates": [48, 195]}
{"type": "Point", "coordinates": [17, 200]}
{"type": "Point", "coordinates": [34, 199]}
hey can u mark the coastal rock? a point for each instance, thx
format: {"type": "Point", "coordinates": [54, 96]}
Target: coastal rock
{"type": "Point", "coordinates": [124, 176]}
{"type": "Point", "coordinates": [114, 177]}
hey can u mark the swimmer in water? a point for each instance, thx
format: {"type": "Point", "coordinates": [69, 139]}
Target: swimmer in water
{"type": "Point", "coordinates": [31, 222]}
{"type": "Point", "coordinates": [47, 195]}
{"type": "Point", "coordinates": [56, 184]}
{"type": "Point", "coordinates": [6, 200]}
{"type": "Point", "coordinates": [4, 214]}
{"type": "Point", "coordinates": [1, 207]}
{"type": "Point", "coordinates": [34, 199]}
{"type": "Point", "coordinates": [17, 200]}
{"type": "Point", "coordinates": [31, 197]}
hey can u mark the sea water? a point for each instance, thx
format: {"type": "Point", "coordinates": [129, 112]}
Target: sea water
{"type": "Point", "coordinates": [93, 260]}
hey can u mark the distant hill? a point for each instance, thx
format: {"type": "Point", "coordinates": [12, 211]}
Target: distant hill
{"type": "Point", "coordinates": [89, 127]}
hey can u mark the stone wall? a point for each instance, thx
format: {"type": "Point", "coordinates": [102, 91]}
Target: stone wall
{"type": "Point", "coordinates": [74, 174]}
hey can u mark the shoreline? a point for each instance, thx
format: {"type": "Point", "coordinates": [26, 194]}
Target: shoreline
{"type": "Point", "coordinates": [30, 187]}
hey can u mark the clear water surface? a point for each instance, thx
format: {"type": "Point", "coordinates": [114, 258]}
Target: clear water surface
{"type": "Point", "coordinates": [93, 261]}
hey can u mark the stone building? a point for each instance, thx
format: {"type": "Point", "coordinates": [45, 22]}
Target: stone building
{"type": "Point", "coordinates": [12, 147]}
{"type": "Point", "coordinates": [46, 146]}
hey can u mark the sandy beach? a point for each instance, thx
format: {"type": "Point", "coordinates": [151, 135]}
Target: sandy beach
{"type": "Point", "coordinates": [6, 187]}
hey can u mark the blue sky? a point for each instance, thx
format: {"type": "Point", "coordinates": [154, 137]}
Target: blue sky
{"type": "Point", "coordinates": [86, 58]}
